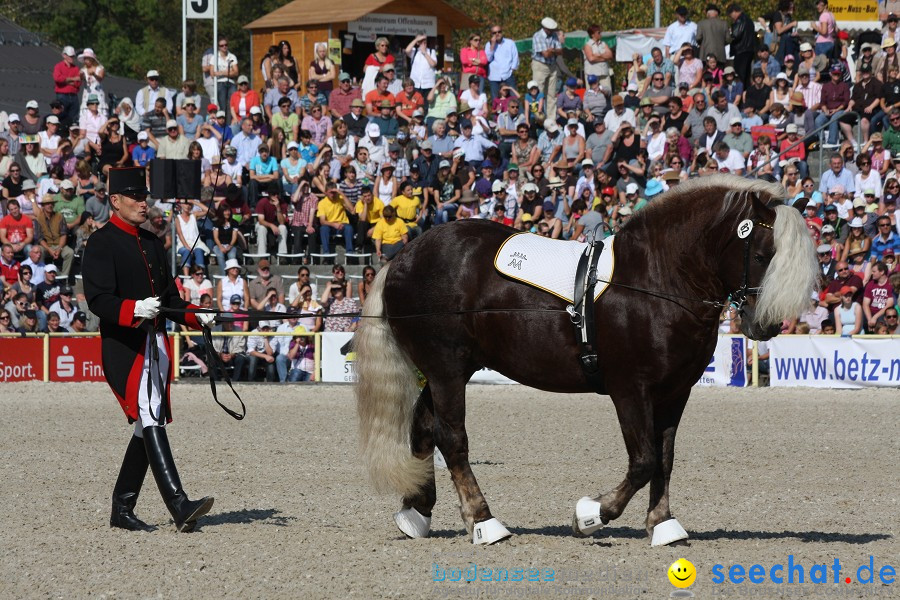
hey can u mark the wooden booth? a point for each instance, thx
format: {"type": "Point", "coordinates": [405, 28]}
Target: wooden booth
{"type": "Point", "coordinates": [350, 29]}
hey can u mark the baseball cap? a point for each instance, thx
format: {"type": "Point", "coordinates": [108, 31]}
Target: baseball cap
{"type": "Point", "coordinates": [29, 185]}
{"type": "Point", "coordinates": [152, 73]}
{"type": "Point", "coordinates": [143, 135]}
{"type": "Point", "coordinates": [831, 208]}
{"type": "Point", "coordinates": [66, 185]}
{"type": "Point", "coordinates": [51, 268]}
{"type": "Point", "coordinates": [859, 202]}
{"type": "Point", "coordinates": [823, 248]}
{"type": "Point", "coordinates": [631, 188]}
{"type": "Point", "coordinates": [255, 110]}
{"type": "Point", "coordinates": [551, 126]}
{"type": "Point", "coordinates": [31, 104]}
{"type": "Point", "coordinates": [791, 128]}
{"type": "Point", "coordinates": [427, 145]}
{"type": "Point", "coordinates": [806, 47]}
{"type": "Point", "coordinates": [827, 229]}
{"type": "Point", "coordinates": [235, 299]}
{"type": "Point", "coordinates": [13, 118]}
{"type": "Point", "coordinates": [735, 121]}
{"type": "Point", "coordinates": [548, 23]}
{"type": "Point", "coordinates": [533, 84]}
{"type": "Point", "coordinates": [729, 71]}
{"type": "Point", "coordinates": [497, 186]}
{"type": "Point", "coordinates": [80, 316]}
{"type": "Point", "coordinates": [836, 189]}
{"type": "Point", "coordinates": [171, 123]}
{"type": "Point", "coordinates": [53, 119]}
{"type": "Point", "coordinates": [220, 113]}
{"type": "Point", "coordinates": [293, 146]}
{"type": "Point", "coordinates": [846, 290]}
{"type": "Point", "coordinates": [592, 79]}
{"type": "Point", "coordinates": [571, 82]}
{"type": "Point", "coordinates": [617, 100]}
{"type": "Point", "coordinates": [243, 79]}
{"type": "Point", "coordinates": [344, 76]}
{"type": "Point", "coordinates": [444, 164]}
{"type": "Point", "coordinates": [625, 211]}
{"type": "Point", "coordinates": [373, 130]}
{"type": "Point", "coordinates": [632, 87]}
{"type": "Point", "coordinates": [100, 187]}
{"type": "Point", "coordinates": [263, 263]}
{"type": "Point", "coordinates": [357, 103]}
{"type": "Point", "coordinates": [69, 51]}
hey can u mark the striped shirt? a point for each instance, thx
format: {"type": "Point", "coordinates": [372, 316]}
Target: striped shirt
{"type": "Point", "coordinates": [541, 42]}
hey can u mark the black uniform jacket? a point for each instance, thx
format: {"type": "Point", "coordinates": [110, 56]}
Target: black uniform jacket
{"type": "Point", "coordinates": [124, 264]}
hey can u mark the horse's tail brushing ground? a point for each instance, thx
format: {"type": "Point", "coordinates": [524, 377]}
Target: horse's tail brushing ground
{"type": "Point", "coordinates": [386, 392]}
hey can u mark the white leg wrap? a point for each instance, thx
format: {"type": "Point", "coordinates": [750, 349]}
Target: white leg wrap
{"type": "Point", "coordinates": [439, 461]}
{"type": "Point", "coordinates": [668, 532]}
{"type": "Point", "coordinates": [587, 516]}
{"type": "Point", "coordinates": [413, 523]}
{"type": "Point", "coordinates": [490, 531]}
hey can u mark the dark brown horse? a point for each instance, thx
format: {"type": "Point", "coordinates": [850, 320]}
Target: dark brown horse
{"type": "Point", "coordinates": [435, 309]}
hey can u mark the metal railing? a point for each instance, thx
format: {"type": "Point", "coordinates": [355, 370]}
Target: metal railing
{"type": "Point", "coordinates": [815, 132]}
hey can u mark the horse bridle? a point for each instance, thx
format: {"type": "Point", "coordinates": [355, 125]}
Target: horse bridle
{"type": "Point", "coordinates": [738, 298]}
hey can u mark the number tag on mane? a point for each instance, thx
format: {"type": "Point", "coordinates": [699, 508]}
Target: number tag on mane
{"type": "Point", "coordinates": [744, 228]}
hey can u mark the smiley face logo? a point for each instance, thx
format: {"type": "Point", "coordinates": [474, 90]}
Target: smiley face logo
{"type": "Point", "coordinates": [682, 573]}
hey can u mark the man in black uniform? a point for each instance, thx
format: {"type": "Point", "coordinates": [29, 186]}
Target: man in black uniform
{"type": "Point", "coordinates": [126, 279]}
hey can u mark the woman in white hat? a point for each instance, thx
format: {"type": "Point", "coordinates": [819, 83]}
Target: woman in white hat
{"type": "Point", "coordinates": [92, 73]}
{"type": "Point", "coordinates": [232, 285]}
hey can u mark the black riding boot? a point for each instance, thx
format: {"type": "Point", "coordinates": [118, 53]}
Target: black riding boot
{"type": "Point", "coordinates": [128, 486]}
{"type": "Point", "coordinates": [185, 512]}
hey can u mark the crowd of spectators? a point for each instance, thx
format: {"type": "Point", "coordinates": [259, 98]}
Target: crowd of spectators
{"type": "Point", "coordinates": [319, 159]}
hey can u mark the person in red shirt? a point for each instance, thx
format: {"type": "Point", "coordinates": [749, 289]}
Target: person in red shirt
{"type": "Point", "coordinates": [408, 101]}
{"type": "Point", "coordinates": [16, 229]}
{"type": "Point", "coordinates": [813, 223]}
{"type": "Point", "coordinates": [878, 296]}
{"type": "Point", "coordinates": [67, 81]}
{"type": "Point", "coordinates": [9, 266]}
{"type": "Point", "coordinates": [378, 95]}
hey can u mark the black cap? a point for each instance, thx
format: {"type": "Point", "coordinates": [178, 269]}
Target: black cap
{"type": "Point", "coordinates": [865, 68]}
{"type": "Point", "coordinates": [830, 208]}
{"type": "Point", "coordinates": [236, 299]}
{"type": "Point", "coordinates": [65, 291]}
{"type": "Point", "coordinates": [758, 73]}
{"type": "Point", "coordinates": [681, 10]}
{"type": "Point", "coordinates": [30, 314]}
{"type": "Point", "coordinates": [466, 124]}
{"type": "Point", "coordinates": [80, 316]}
{"type": "Point", "coordinates": [131, 181]}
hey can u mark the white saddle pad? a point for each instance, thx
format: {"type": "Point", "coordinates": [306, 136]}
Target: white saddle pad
{"type": "Point", "coordinates": [549, 264]}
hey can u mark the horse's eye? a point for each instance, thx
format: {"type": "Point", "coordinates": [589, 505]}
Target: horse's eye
{"type": "Point", "coordinates": [762, 259]}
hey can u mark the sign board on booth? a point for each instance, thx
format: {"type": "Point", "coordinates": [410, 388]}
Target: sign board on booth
{"type": "Point", "coordinates": [375, 24]}
{"type": "Point", "coordinates": [854, 10]}
{"type": "Point", "coordinates": [338, 361]}
{"type": "Point", "coordinates": [21, 359]}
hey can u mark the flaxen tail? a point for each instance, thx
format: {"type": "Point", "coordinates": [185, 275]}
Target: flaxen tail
{"type": "Point", "coordinates": [386, 392]}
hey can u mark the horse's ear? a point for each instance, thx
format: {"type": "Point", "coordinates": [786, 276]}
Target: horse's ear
{"type": "Point", "coordinates": [764, 211]}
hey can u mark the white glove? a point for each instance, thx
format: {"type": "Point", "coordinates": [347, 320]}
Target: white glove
{"type": "Point", "coordinates": [148, 308]}
{"type": "Point", "coordinates": [206, 319]}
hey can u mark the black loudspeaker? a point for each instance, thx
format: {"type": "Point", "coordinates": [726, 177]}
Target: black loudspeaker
{"type": "Point", "coordinates": [162, 178]}
{"type": "Point", "coordinates": [170, 178]}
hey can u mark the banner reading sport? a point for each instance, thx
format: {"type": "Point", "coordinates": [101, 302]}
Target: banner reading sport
{"type": "Point", "coordinates": [834, 362]}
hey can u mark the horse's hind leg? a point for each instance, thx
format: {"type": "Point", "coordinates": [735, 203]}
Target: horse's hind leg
{"type": "Point", "coordinates": [636, 420]}
{"type": "Point", "coordinates": [415, 518]}
{"type": "Point", "coordinates": [661, 526]}
{"type": "Point", "coordinates": [450, 434]}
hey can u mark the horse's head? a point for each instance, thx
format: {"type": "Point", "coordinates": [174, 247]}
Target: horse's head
{"type": "Point", "coordinates": [770, 269]}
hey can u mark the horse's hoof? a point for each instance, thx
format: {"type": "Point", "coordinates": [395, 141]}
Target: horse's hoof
{"type": "Point", "coordinates": [490, 531]}
{"type": "Point", "coordinates": [668, 532]}
{"type": "Point", "coordinates": [586, 519]}
{"type": "Point", "coordinates": [413, 523]}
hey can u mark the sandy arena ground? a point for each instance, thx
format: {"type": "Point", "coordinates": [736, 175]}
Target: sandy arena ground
{"type": "Point", "coordinates": [759, 475]}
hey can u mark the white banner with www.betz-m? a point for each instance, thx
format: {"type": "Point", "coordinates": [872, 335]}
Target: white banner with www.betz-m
{"type": "Point", "coordinates": [834, 362]}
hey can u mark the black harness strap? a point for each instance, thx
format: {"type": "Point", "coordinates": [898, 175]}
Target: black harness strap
{"type": "Point", "coordinates": [215, 363]}
{"type": "Point", "coordinates": [582, 313]}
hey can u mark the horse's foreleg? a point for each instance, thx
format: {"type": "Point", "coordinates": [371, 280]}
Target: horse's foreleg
{"type": "Point", "coordinates": [636, 420]}
{"type": "Point", "coordinates": [661, 526]}
{"type": "Point", "coordinates": [452, 440]}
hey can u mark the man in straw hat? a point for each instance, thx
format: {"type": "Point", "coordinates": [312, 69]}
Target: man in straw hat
{"type": "Point", "coordinates": [127, 279]}
{"type": "Point", "coordinates": [547, 47]}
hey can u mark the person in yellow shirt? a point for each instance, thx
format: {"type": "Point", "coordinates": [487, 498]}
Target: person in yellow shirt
{"type": "Point", "coordinates": [390, 235]}
{"type": "Point", "coordinates": [332, 213]}
{"type": "Point", "coordinates": [409, 208]}
{"type": "Point", "coordinates": [368, 210]}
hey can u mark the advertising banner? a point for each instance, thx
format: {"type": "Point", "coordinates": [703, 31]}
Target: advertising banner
{"type": "Point", "coordinates": [854, 10]}
{"type": "Point", "coordinates": [728, 366]}
{"type": "Point", "coordinates": [21, 359]}
{"type": "Point", "coordinates": [76, 359]}
{"type": "Point", "coordinates": [337, 359]}
{"type": "Point", "coordinates": [834, 362]}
